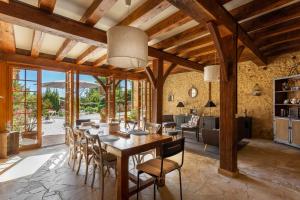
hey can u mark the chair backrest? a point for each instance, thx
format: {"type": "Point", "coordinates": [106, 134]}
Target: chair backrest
{"type": "Point", "coordinates": [172, 148]}
{"type": "Point", "coordinates": [96, 144]}
{"type": "Point", "coordinates": [130, 125]}
{"type": "Point", "coordinates": [151, 127]}
{"type": "Point", "coordinates": [168, 118]}
{"type": "Point", "coordinates": [87, 123]}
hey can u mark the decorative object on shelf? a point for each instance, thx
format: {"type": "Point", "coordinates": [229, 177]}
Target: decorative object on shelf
{"type": "Point", "coordinates": [180, 105]}
{"type": "Point", "coordinates": [193, 92]}
{"type": "Point", "coordinates": [256, 91]}
{"type": "Point", "coordinates": [127, 47]}
{"type": "Point", "coordinates": [171, 97]}
{"type": "Point", "coordinates": [283, 112]}
{"type": "Point", "coordinates": [294, 67]}
{"type": "Point", "coordinates": [286, 101]}
{"type": "Point", "coordinates": [295, 88]}
{"type": "Point", "coordinates": [285, 86]}
{"type": "Point", "coordinates": [294, 101]}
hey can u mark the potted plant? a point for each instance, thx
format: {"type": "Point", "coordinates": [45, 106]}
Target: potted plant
{"type": "Point", "coordinates": [103, 115]}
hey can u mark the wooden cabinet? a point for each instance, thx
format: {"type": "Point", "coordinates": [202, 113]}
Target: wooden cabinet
{"type": "Point", "coordinates": [286, 111]}
{"type": "Point", "coordinates": [287, 131]}
{"type": "Point", "coordinates": [281, 130]}
{"type": "Point", "coordinates": [295, 132]}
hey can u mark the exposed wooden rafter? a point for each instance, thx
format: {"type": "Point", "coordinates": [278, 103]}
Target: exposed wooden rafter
{"type": "Point", "coordinates": [38, 36]}
{"type": "Point", "coordinates": [205, 10]}
{"type": "Point", "coordinates": [7, 38]}
{"type": "Point", "coordinates": [93, 14]}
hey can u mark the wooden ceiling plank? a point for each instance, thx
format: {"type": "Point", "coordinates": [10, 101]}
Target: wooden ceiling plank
{"type": "Point", "coordinates": [145, 12]}
{"type": "Point", "coordinates": [189, 34]}
{"type": "Point", "coordinates": [256, 7]}
{"type": "Point", "coordinates": [100, 61]}
{"type": "Point", "coordinates": [277, 29]}
{"type": "Point", "coordinates": [272, 18]}
{"type": "Point", "coordinates": [96, 11]}
{"type": "Point", "coordinates": [7, 38]}
{"type": "Point", "coordinates": [204, 11]}
{"type": "Point", "coordinates": [278, 39]}
{"type": "Point", "coordinates": [92, 15]}
{"type": "Point", "coordinates": [38, 36]}
{"type": "Point", "coordinates": [173, 21]}
{"type": "Point", "coordinates": [16, 13]}
{"type": "Point", "coordinates": [280, 48]}
{"type": "Point", "coordinates": [87, 54]}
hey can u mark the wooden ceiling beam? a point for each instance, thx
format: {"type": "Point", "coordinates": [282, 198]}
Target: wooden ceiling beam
{"type": "Point", "coordinates": [47, 5]}
{"type": "Point", "coordinates": [277, 29]}
{"type": "Point", "coordinates": [180, 38]}
{"type": "Point", "coordinates": [280, 48]}
{"type": "Point", "coordinates": [17, 13]}
{"type": "Point", "coordinates": [37, 41]}
{"type": "Point", "coordinates": [278, 39]}
{"type": "Point", "coordinates": [92, 15]}
{"type": "Point", "coordinates": [256, 7]}
{"type": "Point", "coordinates": [87, 54]}
{"type": "Point", "coordinates": [145, 12]}
{"type": "Point", "coordinates": [204, 11]}
{"type": "Point", "coordinates": [100, 61]}
{"type": "Point", "coordinates": [272, 18]}
{"type": "Point", "coordinates": [45, 63]}
{"type": "Point", "coordinates": [38, 36]}
{"type": "Point", "coordinates": [173, 21]}
{"type": "Point", "coordinates": [7, 38]}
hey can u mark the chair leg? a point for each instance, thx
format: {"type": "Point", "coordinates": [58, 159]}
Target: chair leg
{"type": "Point", "coordinates": [180, 184]}
{"type": "Point", "coordinates": [138, 186]}
{"type": "Point", "coordinates": [79, 163]}
{"type": "Point", "coordinates": [74, 160]}
{"type": "Point", "coordinates": [94, 173]}
{"type": "Point", "coordinates": [154, 189]}
{"type": "Point", "coordinates": [205, 147]}
{"type": "Point", "coordinates": [87, 168]}
{"type": "Point", "coordinates": [102, 183]}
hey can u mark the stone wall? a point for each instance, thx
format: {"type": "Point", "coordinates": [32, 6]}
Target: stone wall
{"type": "Point", "coordinates": [258, 107]}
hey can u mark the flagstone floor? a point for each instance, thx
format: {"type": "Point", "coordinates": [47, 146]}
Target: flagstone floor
{"type": "Point", "coordinates": [268, 171]}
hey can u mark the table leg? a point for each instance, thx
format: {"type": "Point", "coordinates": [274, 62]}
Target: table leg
{"type": "Point", "coordinates": [123, 190]}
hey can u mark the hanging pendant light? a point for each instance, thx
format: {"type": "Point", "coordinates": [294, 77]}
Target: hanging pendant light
{"type": "Point", "coordinates": [212, 73]}
{"type": "Point", "coordinates": [127, 47]}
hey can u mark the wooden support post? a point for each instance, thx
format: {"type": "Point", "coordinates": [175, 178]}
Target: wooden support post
{"type": "Point", "coordinates": [227, 50]}
{"type": "Point", "coordinates": [126, 101]}
{"type": "Point", "coordinates": [146, 100]}
{"type": "Point", "coordinates": [157, 92]}
{"type": "Point", "coordinates": [4, 99]}
{"type": "Point", "coordinates": [77, 96]}
{"type": "Point", "coordinates": [107, 91]}
{"type": "Point", "coordinates": [139, 103]}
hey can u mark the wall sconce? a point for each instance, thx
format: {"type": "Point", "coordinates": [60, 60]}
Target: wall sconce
{"type": "Point", "coordinates": [256, 91]}
{"type": "Point", "coordinates": [171, 97]}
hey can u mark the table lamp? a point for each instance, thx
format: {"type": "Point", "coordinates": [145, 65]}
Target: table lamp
{"type": "Point", "coordinates": [180, 105]}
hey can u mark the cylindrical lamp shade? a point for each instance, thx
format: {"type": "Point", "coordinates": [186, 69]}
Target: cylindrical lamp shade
{"type": "Point", "coordinates": [212, 73]}
{"type": "Point", "coordinates": [127, 47]}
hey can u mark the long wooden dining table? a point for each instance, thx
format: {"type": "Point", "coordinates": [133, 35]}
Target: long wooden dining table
{"type": "Point", "coordinates": [128, 146]}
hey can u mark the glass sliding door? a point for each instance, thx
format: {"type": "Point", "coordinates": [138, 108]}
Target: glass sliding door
{"type": "Point", "coordinates": [26, 104]}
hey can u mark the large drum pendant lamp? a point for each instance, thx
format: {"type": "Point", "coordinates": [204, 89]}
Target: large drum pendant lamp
{"type": "Point", "coordinates": [212, 73]}
{"type": "Point", "coordinates": [127, 47]}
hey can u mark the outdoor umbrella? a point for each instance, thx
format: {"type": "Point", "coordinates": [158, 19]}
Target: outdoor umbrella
{"type": "Point", "coordinates": [62, 84]}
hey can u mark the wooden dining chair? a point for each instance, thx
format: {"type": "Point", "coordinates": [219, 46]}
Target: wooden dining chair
{"type": "Point", "coordinates": [161, 166]}
{"type": "Point", "coordinates": [74, 145]}
{"type": "Point", "coordinates": [152, 128]}
{"type": "Point", "coordinates": [86, 152]}
{"type": "Point", "coordinates": [101, 159]}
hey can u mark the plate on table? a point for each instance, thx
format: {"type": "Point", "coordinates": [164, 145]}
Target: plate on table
{"type": "Point", "coordinates": [108, 138]}
{"type": "Point", "coordinates": [138, 132]}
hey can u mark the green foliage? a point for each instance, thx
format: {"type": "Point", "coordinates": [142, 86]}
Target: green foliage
{"type": "Point", "coordinates": [132, 115]}
{"type": "Point", "coordinates": [51, 100]}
